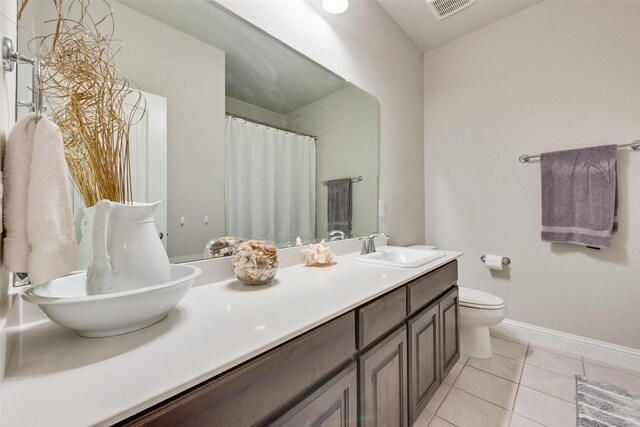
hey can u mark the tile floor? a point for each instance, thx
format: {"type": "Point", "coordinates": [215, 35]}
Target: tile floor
{"type": "Point", "coordinates": [520, 386]}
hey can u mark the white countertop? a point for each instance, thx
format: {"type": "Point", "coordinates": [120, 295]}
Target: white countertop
{"type": "Point", "coordinates": [57, 378]}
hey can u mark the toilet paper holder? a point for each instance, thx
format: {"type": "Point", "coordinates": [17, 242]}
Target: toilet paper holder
{"type": "Point", "coordinates": [505, 260]}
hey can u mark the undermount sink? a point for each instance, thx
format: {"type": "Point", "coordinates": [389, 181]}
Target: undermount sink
{"type": "Point", "coordinates": [401, 257]}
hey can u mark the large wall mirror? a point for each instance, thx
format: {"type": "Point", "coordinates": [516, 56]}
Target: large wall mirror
{"type": "Point", "coordinates": [241, 135]}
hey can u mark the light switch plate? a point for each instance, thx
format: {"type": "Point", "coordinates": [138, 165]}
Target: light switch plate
{"type": "Point", "coordinates": [382, 208]}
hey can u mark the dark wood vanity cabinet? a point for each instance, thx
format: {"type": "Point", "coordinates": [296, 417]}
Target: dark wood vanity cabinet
{"type": "Point", "coordinates": [449, 331]}
{"type": "Point", "coordinates": [254, 392]}
{"type": "Point", "coordinates": [424, 356]}
{"type": "Point", "coordinates": [334, 404]}
{"type": "Point", "coordinates": [434, 347]}
{"type": "Point", "coordinates": [377, 365]}
{"type": "Point", "coordinates": [383, 382]}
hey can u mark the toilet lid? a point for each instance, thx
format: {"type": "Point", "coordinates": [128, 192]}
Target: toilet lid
{"type": "Point", "coordinates": [478, 299]}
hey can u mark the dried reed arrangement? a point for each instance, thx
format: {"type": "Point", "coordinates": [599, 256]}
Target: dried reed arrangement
{"type": "Point", "coordinates": [87, 94]}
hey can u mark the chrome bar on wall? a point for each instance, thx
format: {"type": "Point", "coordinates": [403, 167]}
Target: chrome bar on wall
{"type": "Point", "coordinates": [357, 179]}
{"type": "Point", "coordinates": [10, 58]}
{"type": "Point", "coordinates": [269, 125]}
{"type": "Point", "coordinates": [635, 146]}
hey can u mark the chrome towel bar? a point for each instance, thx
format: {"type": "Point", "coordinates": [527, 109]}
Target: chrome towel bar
{"type": "Point", "coordinates": [635, 146]}
{"type": "Point", "coordinates": [10, 58]}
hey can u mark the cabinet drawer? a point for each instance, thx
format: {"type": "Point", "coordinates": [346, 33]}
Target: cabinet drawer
{"type": "Point", "coordinates": [381, 316]}
{"type": "Point", "coordinates": [334, 404]}
{"type": "Point", "coordinates": [427, 288]}
{"type": "Point", "coordinates": [256, 390]}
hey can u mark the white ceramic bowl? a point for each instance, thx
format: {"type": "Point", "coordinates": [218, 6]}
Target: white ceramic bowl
{"type": "Point", "coordinates": [65, 302]}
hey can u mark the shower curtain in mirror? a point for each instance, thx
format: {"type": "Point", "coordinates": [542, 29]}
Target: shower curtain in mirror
{"type": "Point", "coordinates": [270, 183]}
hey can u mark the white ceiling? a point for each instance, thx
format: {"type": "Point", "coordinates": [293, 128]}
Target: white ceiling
{"type": "Point", "coordinates": [259, 69]}
{"type": "Point", "coordinates": [415, 18]}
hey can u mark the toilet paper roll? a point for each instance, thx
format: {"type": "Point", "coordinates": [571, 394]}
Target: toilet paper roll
{"type": "Point", "coordinates": [493, 262]}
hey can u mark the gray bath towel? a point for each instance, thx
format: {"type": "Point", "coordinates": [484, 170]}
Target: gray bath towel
{"type": "Point", "coordinates": [339, 205]}
{"type": "Point", "coordinates": [579, 196]}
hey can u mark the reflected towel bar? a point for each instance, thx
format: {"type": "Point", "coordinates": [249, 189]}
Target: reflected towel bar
{"type": "Point", "coordinates": [635, 146]}
{"type": "Point", "coordinates": [358, 179]}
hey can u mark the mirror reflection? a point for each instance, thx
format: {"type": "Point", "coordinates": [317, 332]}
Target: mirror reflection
{"type": "Point", "coordinates": [242, 136]}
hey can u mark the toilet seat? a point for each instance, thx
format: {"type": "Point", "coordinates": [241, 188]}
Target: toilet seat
{"type": "Point", "coordinates": [473, 298]}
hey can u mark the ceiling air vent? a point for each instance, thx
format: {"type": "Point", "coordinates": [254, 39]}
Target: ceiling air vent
{"type": "Point", "coordinates": [443, 8]}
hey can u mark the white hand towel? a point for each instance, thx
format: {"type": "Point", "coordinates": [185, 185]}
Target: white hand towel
{"type": "Point", "coordinates": [49, 217]}
{"type": "Point", "coordinates": [17, 162]}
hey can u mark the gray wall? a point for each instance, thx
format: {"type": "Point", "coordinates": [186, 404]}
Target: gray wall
{"type": "Point", "coordinates": [345, 123]}
{"type": "Point", "coordinates": [245, 109]}
{"type": "Point", "coordinates": [190, 74]}
{"type": "Point", "coordinates": [366, 47]}
{"type": "Point", "coordinates": [557, 75]}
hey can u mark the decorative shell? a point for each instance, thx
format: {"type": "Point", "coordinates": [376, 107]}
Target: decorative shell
{"type": "Point", "coordinates": [221, 247]}
{"type": "Point", "coordinates": [319, 255]}
{"type": "Point", "coordinates": [255, 262]}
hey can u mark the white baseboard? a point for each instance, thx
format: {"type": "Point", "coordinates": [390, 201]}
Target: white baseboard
{"type": "Point", "coordinates": [614, 354]}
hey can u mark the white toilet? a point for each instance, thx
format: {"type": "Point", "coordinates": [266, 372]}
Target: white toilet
{"type": "Point", "coordinates": [478, 311]}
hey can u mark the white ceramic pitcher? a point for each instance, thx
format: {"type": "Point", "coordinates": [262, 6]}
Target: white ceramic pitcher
{"type": "Point", "coordinates": [84, 234]}
{"type": "Point", "coordinates": [127, 253]}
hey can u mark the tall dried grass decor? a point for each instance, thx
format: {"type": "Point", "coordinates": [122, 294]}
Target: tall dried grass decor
{"type": "Point", "coordinates": [87, 94]}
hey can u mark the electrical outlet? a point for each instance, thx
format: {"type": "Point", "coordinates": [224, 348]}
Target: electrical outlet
{"type": "Point", "coordinates": [382, 208]}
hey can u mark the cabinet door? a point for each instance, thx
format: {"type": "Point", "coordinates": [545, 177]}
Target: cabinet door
{"type": "Point", "coordinates": [334, 404]}
{"type": "Point", "coordinates": [383, 383]}
{"type": "Point", "coordinates": [424, 365]}
{"type": "Point", "coordinates": [449, 332]}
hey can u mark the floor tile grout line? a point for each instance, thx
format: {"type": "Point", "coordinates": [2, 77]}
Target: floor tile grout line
{"type": "Point", "coordinates": [492, 374]}
{"type": "Point", "coordinates": [455, 425]}
{"type": "Point", "coordinates": [497, 376]}
{"type": "Point", "coordinates": [620, 369]}
{"type": "Point", "coordinates": [513, 340]}
{"type": "Point", "coordinates": [535, 389]}
{"type": "Point", "coordinates": [548, 370]}
{"type": "Point", "coordinates": [551, 370]}
{"type": "Point", "coordinates": [484, 370]}
{"type": "Point", "coordinates": [509, 357]}
{"type": "Point", "coordinates": [528, 349]}
{"type": "Point", "coordinates": [435, 413]}
{"type": "Point", "coordinates": [477, 397]}
{"type": "Point", "coordinates": [523, 365]}
{"type": "Point", "coordinates": [527, 418]}
{"type": "Point", "coordinates": [547, 349]}
{"type": "Point", "coordinates": [513, 408]}
{"type": "Point", "coordinates": [546, 394]}
{"type": "Point", "coordinates": [557, 352]}
{"type": "Point", "coordinates": [435, 416]}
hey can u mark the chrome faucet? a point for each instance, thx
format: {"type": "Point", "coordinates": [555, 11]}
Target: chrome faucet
{"type": "Point", "coordinates": [368, 243]}
{"type": "Point", "coordinates": [337, 235]}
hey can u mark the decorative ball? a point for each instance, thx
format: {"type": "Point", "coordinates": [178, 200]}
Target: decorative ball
{"type": "Point", "coordinates": [255, 262]}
